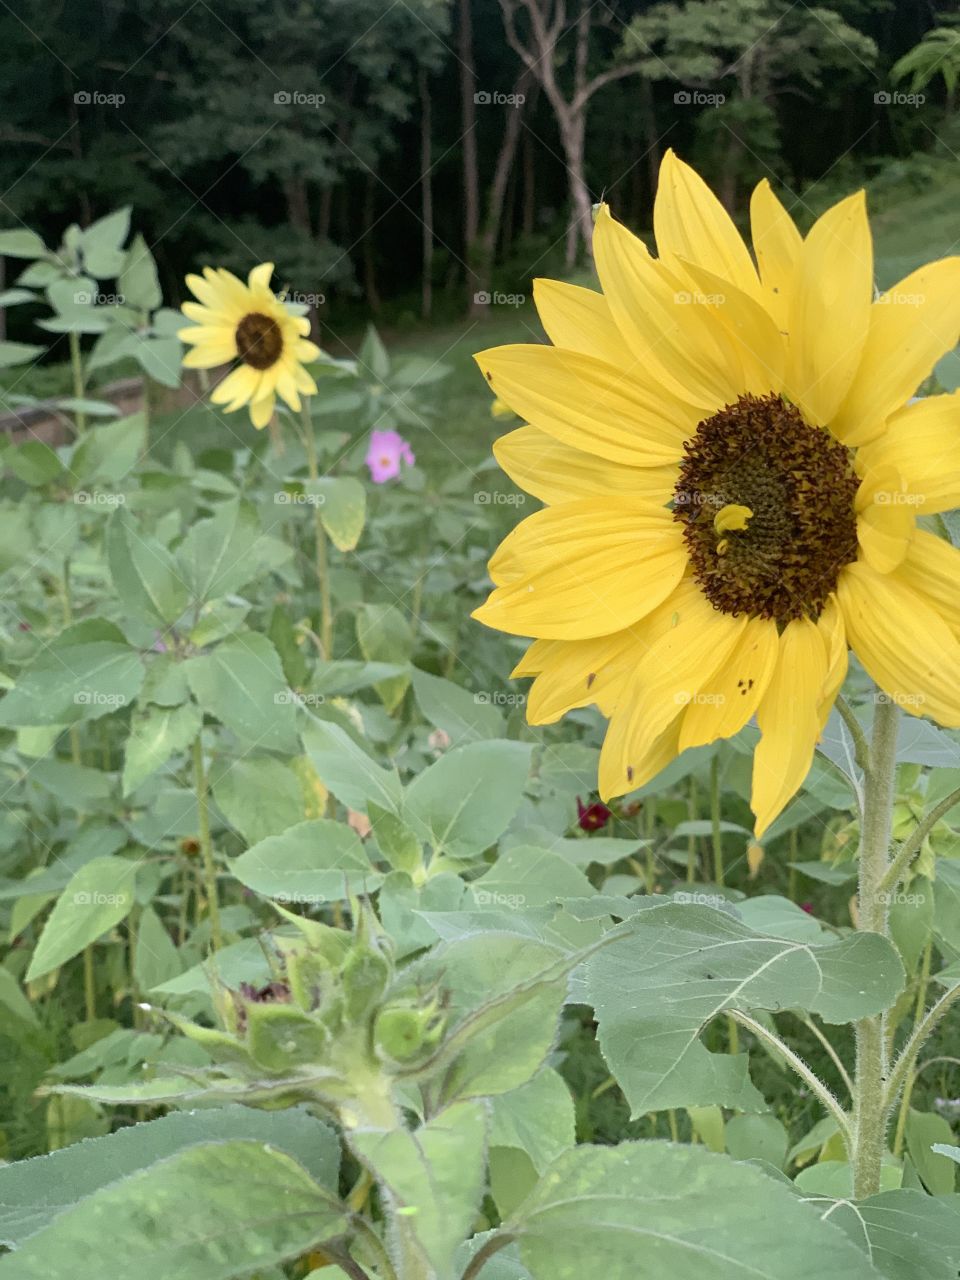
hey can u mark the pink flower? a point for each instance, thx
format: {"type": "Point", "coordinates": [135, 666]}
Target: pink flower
{"type": "Point", "coordinates": [387, 451]}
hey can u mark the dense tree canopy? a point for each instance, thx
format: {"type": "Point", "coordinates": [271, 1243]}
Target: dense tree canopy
{"type": "Point", "coordinates": [324, 133]}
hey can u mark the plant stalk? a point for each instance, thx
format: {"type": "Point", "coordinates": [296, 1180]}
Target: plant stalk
{"type": "Point", "coordinates": [319, 537]}
{"type": "Point", "coordinates": [870, 1105]}
{"type": "Point", "coordinates": [206, 844]}
{"type": "Point", "coordinates": [79, 381]}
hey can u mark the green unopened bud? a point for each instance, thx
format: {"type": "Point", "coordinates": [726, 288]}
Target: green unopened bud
{"type": "Point", "coordinates": [407, 1033]}
{"type": "Point", "coordinates": [282, 1038]}
{"type": "Point", "coordinates": [365, 975]}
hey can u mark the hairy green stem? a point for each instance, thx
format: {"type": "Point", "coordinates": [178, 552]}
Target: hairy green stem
{"type": "Point", "coordinates": [79, 381]}
{"type": "Point", "coordinates": [206, 844]}
{"type": "Point", "coordinates": [870, 1103]}
{"type": "Point", "coordinates": [319, 537]}
{"type": "Point", "coordinates": [717, 839]}
{"type": "Point", "coordinates": [861, 748]}
{"type": "Point", "coordinates": [484, 1254]}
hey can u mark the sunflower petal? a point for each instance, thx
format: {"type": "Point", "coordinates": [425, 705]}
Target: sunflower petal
{"type": "Point", "coordinates": [579, 319]}
{"type": "Point", "coordinates": [885, 518]}
{"type": "Point", "coordinates": [932, 569]}
{"type": "Point", "coordinates": [727, 701]}
{"type": "Point", "coordinates": [663, 324]}
{"type": "Point", "coordinates": [554, 472]}
{"type": "Point", "coordinates": [788, 720]}
{"type": "Point", "coordinates": [911, 326]}
{"type": "Point", "coordinates": [759, 344]}
{"type": "Point", "coordinates": [777, 244]}
{"type": "Point", "coordinates": [589, 404]}
{"type": "Point", "coordinates": [584, 569]}
{"type": "Point", "coordinates": [689, 222]}
{"type": "Point", "coordinates": [922, 443]}
{"type": "Point", "coordinates": [903, 642]}
{"type": "Point", "coordinates": [261, 411]}
{"type": "Point", "coordinates": [830, 311]}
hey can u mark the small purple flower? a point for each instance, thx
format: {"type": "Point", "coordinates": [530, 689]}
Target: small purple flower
{"type": "Point", "coordinates": [388, 450]}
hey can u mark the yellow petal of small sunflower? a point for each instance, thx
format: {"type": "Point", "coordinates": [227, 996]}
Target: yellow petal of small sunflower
{"type": "Point", "coordinates": [261, 411]}
{"type": "Point", "coordinates": [931, 568]}
{"type": "Point", "coordinates": [728, 700]}
{"type": "Point", "coordinates": [922, 443]}
{"type": "Point", "coordinates": [885, 518]}
{"type": "Point", "coordinates": [579, 319]}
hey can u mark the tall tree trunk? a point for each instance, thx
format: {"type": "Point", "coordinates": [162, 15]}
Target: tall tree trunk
{"type": "Point", "coordinates": [468, 127]}
{"type": "Point", "coordinates": [580, 226]}
{"type": "Point", "coordinates": [528, 214]}
{"type": "Point", "coordinates": [497, 195]}
{"type": "Point", "coordinates": [426, 195]}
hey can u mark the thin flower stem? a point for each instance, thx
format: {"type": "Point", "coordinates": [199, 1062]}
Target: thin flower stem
{"type": "Point", "coordinates": [831, 1052]}
{"type": "Point", "coordinates": [797, 1064]}
{"type": "Point", "coordinates": [79, 381]}
{"type": "Point", "coordinates": [715, 820]}
{"type": "Point", "coordinates": [870, 1100]}
{"type": "Point", "coordinates": [319, 537]}
{"type": "Point", "coordinates": [918, 1037]}
{"type": "Point", "coordinates": [861, 747]}
{"type": "Point", "coordinates": [89, 984]}
{"type": "Point", "coordinates": [917, 1018]}
{"type": "Point", "coordinates": [911, 847]}
{"type": "Point", "coordinates": [206, 844]}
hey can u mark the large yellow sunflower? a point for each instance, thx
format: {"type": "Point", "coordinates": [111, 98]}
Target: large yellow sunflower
{"type": "Point", "coordinates": [732, 470]}
{"type": "Point", "coordinates": [247, 322]}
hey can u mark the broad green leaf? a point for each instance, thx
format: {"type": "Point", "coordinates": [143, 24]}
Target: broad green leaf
{"type": "Point", "coordinates": [907, 1235]}
{"type": "Point", "coordinates": [208, 1212]}
{"type": "Point", "coordinates": [13, 353]}
{"type": "Point", "coordinates": [343, 508]}
{"type": "Point", "coordinates": [13, 1001]}
{"type": "Point", "coordinates": [435, 1176]}
{"type": "Point", "coordinates": [156, 734]}
{"type": "Point", "coordinates": [241, 683]}
{"type": "Point", "coordinates": [144, 573]}
{"type": "Point", "coordinates": [373, 355]}
{"type": "Point", "coordinates": [101, 244]}
{"type": "Point", "coordinates": [21, 242]}
{"type": "Point", "coordinates": [138, 282]}
{"type": "Point", "coordinates": [312, 863]}
{"type": "Point", "coordinates": [348, 676]}
{"type": "Point", "coordinates": [924, 1131]}
{"type": "Point", "coordinates": [35, 463]}
{"type": "Point", "coordinates": [677, 966]}
{"type": "Point", "coordinates": [111, 451]}
{"type": "Point", "coordinates": [159, 358]}
{"type": "Point", "coordinates": [524, 877]}
{"type": "Point", "coordinates": [462, 715]}
{"type": "Point", "coordinates": [346, 769]}
{"type": "Point", "coordinates": [603, 850]}
{"type": "Point", "coordinates": [258, 795]}
{"type": "Point", "coordinates": [33, 1192]}
{"type": "Point", "coordinates": [760, 1137]}
{"type": "Point", "coordinates": [89, 671]}
{"type": "Point", "coordinates": [384, 635]}
{"type": "Point", "coordinates": [155, 957]}
{"type": "Point", "coordinates": [465, 801]}
{"type": "Point", "coordinates": [538, 1118]}
{"type": "Point", "coordinates": [646, 1210]}
{"type": "Point", "coordinates": [98, 897]}
{"type": "Point", "coordinates": [218, 555]}
{"type": "Point", "coordinates": [505, 994]}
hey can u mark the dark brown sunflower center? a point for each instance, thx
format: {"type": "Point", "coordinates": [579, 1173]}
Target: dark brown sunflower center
{"type": "Point", "coordinates": [767, 506]}
{"type": "Point", "coordinates": [259, 340]}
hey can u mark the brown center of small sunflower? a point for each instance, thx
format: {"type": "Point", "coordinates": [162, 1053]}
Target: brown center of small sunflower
{"type": "Point", "coordinates": [766, 502]}
{"type": "Point", "coordinates": [259, 340]}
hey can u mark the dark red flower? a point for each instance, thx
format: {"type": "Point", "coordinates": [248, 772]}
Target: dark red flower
{"type": "Point", "coordinates": [592, 817]}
